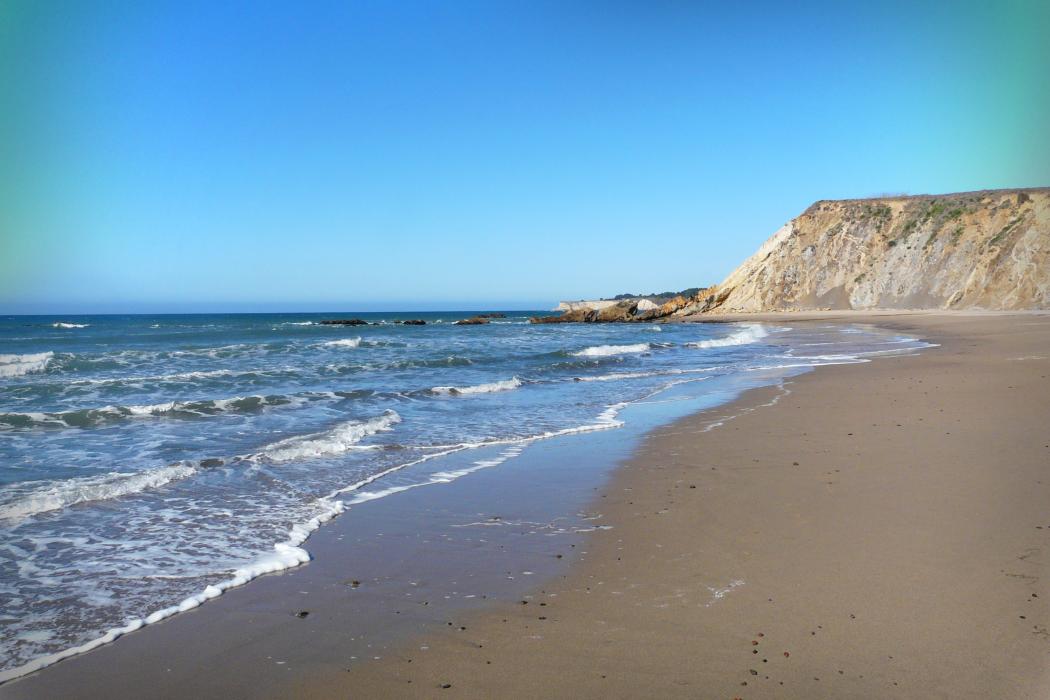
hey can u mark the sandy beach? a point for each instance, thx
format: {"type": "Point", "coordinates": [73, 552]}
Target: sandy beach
{"type": "Point", "coordinates": [872, 531]}
{"type": "Point", "coordinates": [499, 351]}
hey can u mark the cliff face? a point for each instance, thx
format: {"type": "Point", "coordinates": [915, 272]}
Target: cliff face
{"type": "Point", "coordinates": [584, 305]}
{"type": "Point", "coordinates": [987, 250]}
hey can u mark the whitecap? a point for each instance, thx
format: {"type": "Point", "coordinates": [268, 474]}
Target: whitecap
{"type": "Point", "coordinates": [745, 336]}
{"type": "Point", "coordinates": [32, 498]}
{"type": "Point", "coordinates": [343, 343]}
{"type": "Point", "coordinates": [19, 365]}
{"type": "Point", "coordinates": [504, 385]}
{"type": "Point", "coordinates": [87, 417]}
{"type": "Point", "coordinates": [331, 442]}
{"type": "Point", "coordinates": [607, 350]}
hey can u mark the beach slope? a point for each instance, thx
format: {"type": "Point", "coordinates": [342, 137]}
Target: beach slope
{"type": "Point", "coordinates": [868, 531]}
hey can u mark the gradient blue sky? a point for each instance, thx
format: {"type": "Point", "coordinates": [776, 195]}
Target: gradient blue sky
{"type": "Point", "coordinates": [298, 156]}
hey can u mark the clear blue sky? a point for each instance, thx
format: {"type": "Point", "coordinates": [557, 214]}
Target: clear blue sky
{"type": "Point", "coordinates": [297, 156]}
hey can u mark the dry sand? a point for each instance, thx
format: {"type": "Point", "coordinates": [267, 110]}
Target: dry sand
{"type": "Point", "coordinates": [880, 531]}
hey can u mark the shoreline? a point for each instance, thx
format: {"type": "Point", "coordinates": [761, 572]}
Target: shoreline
{"type": "Point", "coordinates": [878, 533]}
{"type": "Point", "coordinates": [549, 502]}
{"type": "Point", "coordinates": [324, 668]}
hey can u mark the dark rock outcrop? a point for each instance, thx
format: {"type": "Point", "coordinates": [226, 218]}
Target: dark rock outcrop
{"type": "Point", "coordinates": [413, 322]}
{"type": "Point", "coordinates": [474, 321]}
{"type": "Point", "coordinates": [575, 316]}
{"type": "Point", "coordinates": [344, 322]}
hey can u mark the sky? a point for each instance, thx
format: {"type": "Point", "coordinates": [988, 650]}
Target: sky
{"type": "Point", "coordinates": [259, 156]}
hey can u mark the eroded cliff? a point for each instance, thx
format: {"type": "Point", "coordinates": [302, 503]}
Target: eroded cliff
{"type": "Point", "coordinates": [987, 250]}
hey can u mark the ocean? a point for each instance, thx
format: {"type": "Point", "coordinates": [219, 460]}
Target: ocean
{"type": "Point", "coordinates": [149, 463]}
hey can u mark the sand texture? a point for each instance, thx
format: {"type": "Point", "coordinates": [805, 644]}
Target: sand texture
{"type": "Point", "coordinates": [879, 531]}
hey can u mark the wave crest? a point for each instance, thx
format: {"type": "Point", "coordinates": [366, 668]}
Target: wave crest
{"type": "Point", "coordinates": [87, 417]}
{"type": "Point", "coordinates": [504, 385]}
{"type": "Point", "coordinates": [343, 343]}
{"type": "Point", "coordinates": [332, 442]}
{"type": "Point", "coordinates": [744, 336]}
{"type": "Point", "coordinates": [19, 365]}
{"type": "Point", "coordinates": [607, 350]}
{"type": "Point", "coordinates": [33, 498]}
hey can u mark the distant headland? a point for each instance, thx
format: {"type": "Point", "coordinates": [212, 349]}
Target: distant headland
{"type": "Point", "coordinates": [969, 250]}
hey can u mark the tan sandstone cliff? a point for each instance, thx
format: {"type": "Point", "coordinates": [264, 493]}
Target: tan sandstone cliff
{"type": "Point", "coordinates": [972, 250]}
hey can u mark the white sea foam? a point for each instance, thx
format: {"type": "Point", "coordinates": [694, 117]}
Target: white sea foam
{"type": "Point", "coordinates": [745, 336]}
{"type": "Point", "coordinates": [290, 554]}
{"type": "Point", "coordinates": [618, 376]}
{"type": "Point", "coordinates": [505, 385]}
{"type": "Point", "coordinates": [343, 343]}
{"type": "Point", "coordinates": [205, 407]}
{"type": "Point", "coordinates": [176, 377]}
{"type": "Point", "coordinates": [32, 498]}
{"type": "Point", "coordinates": [63, 324]}
{"type": "Point", "coordinates": [285, 555]}
{"type": "Point", "coordinates": [606, 350]}
{"type": "Point", "coordinates": [19, 365]}
{"type": "Point", "coordinates": [331, 442]}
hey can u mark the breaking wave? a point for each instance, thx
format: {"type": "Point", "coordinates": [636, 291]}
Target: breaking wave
{"type": "Point", "coordinates": [331, 442]}
{"type": "Point", "coordinates": [744, 336]}
{"type": "Point", "coordinates": [505, 385]}
{"type": "Point", "coordinates": [19, 365]}
{"type": "Point", "coordinates": [343, 343]}
{"type": "Point", "coordinates": [88, 417]}
{"type": "Point", "coordinates": [32, 498]}
{"type": "Point", "coordinates": [606, 350]}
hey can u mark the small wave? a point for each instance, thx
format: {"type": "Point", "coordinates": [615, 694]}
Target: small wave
{"type": "Point", "coordinates": [87, 417]}
{"type": "Point", "coordinates": [332, 442]}
{"type": "Point", "coordinates": [505, 385]}
{"type": "Point", "coordinates": [617, 376]}
{"type": "Point", "coordinates": [19, 365]}
{"type": "Point", "coordinates": [33, 498]}
{"type": "Point", "coordinates": [298, 323]}
{"type": "Point", "coordinates": [343, 343]}
{"type": "Point", "coordinates": [63, 324]}
{"type": "Point", "coordinates": [450, 361]}
{"type": "Point", "coordinates": [607, 350]}
{"type": "Point", "coordinates": [221, 352]}
{"type": "Point", "coordinates": [745, 336]}
{"type": "Point", "coordinates": [178, 377]}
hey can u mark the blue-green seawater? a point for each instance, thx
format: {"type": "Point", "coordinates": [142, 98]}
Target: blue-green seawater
{"type": "Point", "coordinates": [148, 462]}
